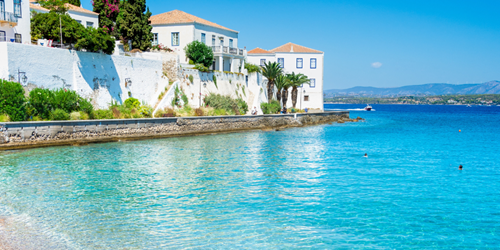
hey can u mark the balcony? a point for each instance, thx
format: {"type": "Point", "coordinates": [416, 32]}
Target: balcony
{"type": "Point", "coordinates": [227, 50]}
{"type": "Point", "coordinates": [8, 17]}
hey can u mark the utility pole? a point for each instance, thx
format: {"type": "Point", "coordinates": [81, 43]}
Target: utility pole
{"type": "Point", "coordinates": [60, 29]}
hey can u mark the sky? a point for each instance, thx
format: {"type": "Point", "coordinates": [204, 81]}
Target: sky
{"type": "Point", "coordinates": [368, 43]}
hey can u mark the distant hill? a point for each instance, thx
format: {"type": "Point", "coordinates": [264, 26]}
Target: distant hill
{"type": "Point", "coordinates": [492, 87]}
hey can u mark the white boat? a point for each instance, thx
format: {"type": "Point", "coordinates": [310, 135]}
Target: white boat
{"type": "Point", "coordinates": [368, 107]}
{"type": "Point", "coordinates": [468, 105]}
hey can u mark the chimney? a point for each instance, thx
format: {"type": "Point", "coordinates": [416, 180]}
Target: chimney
{"type": "Point", "coordinates": [291, 49]}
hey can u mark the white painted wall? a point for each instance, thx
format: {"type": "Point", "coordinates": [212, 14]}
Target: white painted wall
{"type": "Point", "coordinates": [210, 31]}
{"type": "Point", "coordinates": [23, 25]}
{"type": "Point", "coordinates": [83, 18]}
{"type": "Point", "coordinates": [93, 75]}
{"type": "Point", "coordinates": [315, 93]}
{"type": "Point", "coordinates": [186, 34]}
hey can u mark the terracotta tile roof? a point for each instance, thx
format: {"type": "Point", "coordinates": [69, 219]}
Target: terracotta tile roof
{"type": "Point", "coordinates": [67, 5]}
{"type": "Point", "coordinates": [291, 47]}
{"type": "Point", "coordinates": [37, 7]}
{"type": "Point", "coordinates": [178, 17]}
{"type": "Point", "coordinates": [79, 9]}
{"type": "Point", "coordinates": [258, 51]}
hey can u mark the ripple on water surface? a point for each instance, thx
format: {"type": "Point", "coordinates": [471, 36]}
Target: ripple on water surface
{"type": "Point", "coordinates": [303, 187]}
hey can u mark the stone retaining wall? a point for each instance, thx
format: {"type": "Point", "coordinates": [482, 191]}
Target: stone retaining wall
{"type": "Point", "coordinates": [17, 135]}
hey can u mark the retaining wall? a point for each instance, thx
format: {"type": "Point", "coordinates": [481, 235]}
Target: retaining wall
{"type": "Point", "coordinates": [18, 135]}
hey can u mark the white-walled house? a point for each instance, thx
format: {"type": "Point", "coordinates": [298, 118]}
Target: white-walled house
{"type": "Point", "coordinates": [176, 29]}
{"type": "Point", "coordinates": [298, 59]}
{"type": "Point", "coordinates": [85, 17]}
{"type": "Point", "coordinates": [15, 21]}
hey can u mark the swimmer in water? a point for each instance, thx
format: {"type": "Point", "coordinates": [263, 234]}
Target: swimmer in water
{"type": "Point", "coordinates": [460, 167]}
{"type": "Point", "coordinates": [366, 155]}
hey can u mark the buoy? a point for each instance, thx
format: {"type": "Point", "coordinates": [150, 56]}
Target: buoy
{"type": "Point", "coordinates": [459, 130]}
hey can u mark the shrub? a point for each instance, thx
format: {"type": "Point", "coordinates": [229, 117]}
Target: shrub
{"type": "Point", "coordinates": [199, 53]}
{"type": "Point", "coordinates": [4, 118]}
{"type": "Point", "coordinates": [40, 103]}
{"type": "Point", "coordinates": [198, 112]}
{"type": "Point", "coordinates": [95, 40]}
{"type": "Point", "coordinates": [185, 99]}
{"type": "Point", "coordinates": [191, 78]}
{"type": "Point", "coordinates": [252, 68]}
{"type": "Point", "coordinates": [103, 114]}
{"type": "Point", "coordinates": [74, 116]}
{"type": "Point", "coordinates": [191, 62]}
{"type": "Point", "coordinates": [242, 106]}
{"type": "Point", "coordinates": [145, 111]}
{"type": "Point", "coordinates": [59, 115]}
{"type": "Point", "coordinates": [270, 108]}
{"type": "Point", "coordinates": [132, 103]}
{"type": "Point", "coordinates": [201, 67]}
{"type": "Point", "coordinates": [12, 100]}
{"type": "Point", "coordinates": [230, 105]}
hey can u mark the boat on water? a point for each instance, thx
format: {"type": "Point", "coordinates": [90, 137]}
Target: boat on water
{"type": "Point", "coordinates": [468, 105]}
{"type": "Point", "coordinates": [368, 107]}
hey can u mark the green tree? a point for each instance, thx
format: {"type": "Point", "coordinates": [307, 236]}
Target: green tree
{"type": "Point", "coordinates": [271, 71]}
{"type": "Point", "coordinates": [74, 2]}
{"type": "Point", "coordinates": [12, 100]}
{"type": "Point", "coordinates": [281, 82]}
{"type": "Point", "coordinates": [199, 53]}
{"type": "Point", "coordinates": [296, 81]}
{"type": "Point", "coordinates": [134, 25]}
{"type": "Point", "coordinates": [94, 40]}
{"type": "Point", "coordinates": [46, 25]}
{"type": "Point", "coordinates": [57, 6]}
{"type": "Point", "coordinates": [108, 13]}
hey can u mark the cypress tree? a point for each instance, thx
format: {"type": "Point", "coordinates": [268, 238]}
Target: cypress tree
{"type": "Point", "coordinates": [134, 24]}
{"type": "Point", "coordinates": [108, 11]}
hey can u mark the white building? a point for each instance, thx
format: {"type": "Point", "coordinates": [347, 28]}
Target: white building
{"type": "Point", "coordinates": [83, 16]}
{"type": "Point", "coordinates": [15, 21]}
{"type": "Point", "coordinates": [176, 29]}
{"type": "Point", "coordinates": [298, 59]}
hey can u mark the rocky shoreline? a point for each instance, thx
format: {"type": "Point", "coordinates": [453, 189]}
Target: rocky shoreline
{"type": "Point", "coordinates": [43, 134]}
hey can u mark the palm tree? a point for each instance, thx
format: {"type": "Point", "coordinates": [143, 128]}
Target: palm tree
{"type": "Point", "coordinates": [295, 82]}
{"type": "Point", "coordinates": [284, 95]}
{"type": "Point", "coordinates": [281, 82]}
{"type": "Point", "coordinates": [271, 71]}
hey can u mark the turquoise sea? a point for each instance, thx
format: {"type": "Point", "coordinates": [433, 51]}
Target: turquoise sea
{"type": "Point", "coordinates": [299, 188]}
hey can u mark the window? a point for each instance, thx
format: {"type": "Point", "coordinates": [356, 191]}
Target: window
{"type": "Point", "coordinates": [246, 80]}
{"type": "Point", "coordinates": [203, 38]}
{"type": "Point", "coordinates": [79, 21]}
{"type": "Point", "coordinates": [313, 63]}
{"type": "Point", "coordinates": [281, 62]}
{"type": "Point", "coordinates": [221, 41]}
{"type": "Point", "coordinates": [230, 43]}
{"type": "Point", "coordinates": [90, 24]}
{"type": "Point", "coordinates": [155, 38]}
{"type": "Point", "coordinates": [312, 83]}
{"type": "Point", "coordinates": [299, 63]}
{"type": "Point", "coordinates": [262, 62]}
{"type": "Point", "coordinates": [213, 40]}
{"type": "Point", "coordinates": [18, 38]}
{"type": "Point", "coordinates": [175, 39]}
{"type": "Point", "coordinates": [306, 98]}
{"type": "Point", "coordinates": [3, 37]}
{"type": "Point", "coordinates": [17, 8]}
{"type": "Point", "coordinates": [2, 7]}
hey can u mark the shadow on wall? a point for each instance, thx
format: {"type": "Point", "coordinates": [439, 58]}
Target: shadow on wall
{"type": "Point", "coordinates": [100, 73]}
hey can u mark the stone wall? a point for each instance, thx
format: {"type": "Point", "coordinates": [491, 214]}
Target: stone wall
{"type": "Point", "coordinates": [17, 135]}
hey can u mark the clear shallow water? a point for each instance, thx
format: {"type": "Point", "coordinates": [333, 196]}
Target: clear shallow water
{"type": "Point", "coordinates": [303, 187]}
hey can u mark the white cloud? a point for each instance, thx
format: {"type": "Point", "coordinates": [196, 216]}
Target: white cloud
{"type": "Point", "coordinates": [376, 65]}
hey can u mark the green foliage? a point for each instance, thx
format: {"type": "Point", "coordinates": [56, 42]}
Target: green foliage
{"type": "Point", "coordinates": [132, 103]}
{"type": "Point", "coordinates": [201, 67]}
{"type": "Point", "coordinates": [145, 111]}
{"type": "Point", "coordinates": [59, 115]}
{"type": "Point", "coordinates": [103, 114]}
{"type": "Point", "coordinates": [95, 40]}
{"type": "Point", "coordinates": [74, 2]}
{"type": "Point", "coordinates": [4, 118]}
{"type": "Point", "coordinates": [46, 25]}
{"type": "Point", "coordinates": [215, 81]}
{"type": "Point", "coordinates": [199, 52]}
{"type": "Point", "coordinates": [56, 6]}
{"type": "Point", "coordinates": [271, 71]}
{"type": "Point", "coordinates": [108, 11]}
{"type": "Point", "coordinates": [270, 108]}
{"type": "Point", "coordinates": [12, 100]}
{"type": "Point", "coordinates": [41, 102]}
{"type": "Point", "coordinates": [178, 96]}
{"type": "Point", "coordinates": [191, 78]}
{"type": "Point", "coordinates": [230, 105]}
{"type": "Point", "coordinates": [252, 68]}
{"type": "Point", "coordinates": [191, 62]}
{"type": "Point", "coordinates": [185, 99]}
{"type": "Point", "coordinates": [243, 89]}
{"type": "Point", "coordinates": [134, 25]}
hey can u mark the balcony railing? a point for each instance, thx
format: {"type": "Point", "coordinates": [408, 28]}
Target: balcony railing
{"type": "Point", "coordinates": [8, 17]}
{"type": "Point", "coordinates": [227, 50]}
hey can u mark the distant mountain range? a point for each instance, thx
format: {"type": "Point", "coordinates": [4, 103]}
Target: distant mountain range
{"type": "Point", "coordinates": [492, 87]}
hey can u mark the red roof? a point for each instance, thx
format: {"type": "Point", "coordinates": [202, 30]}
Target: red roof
{"type": "Point", "coordinates": [258, 51]}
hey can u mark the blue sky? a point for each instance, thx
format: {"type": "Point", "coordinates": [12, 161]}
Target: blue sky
{"type": "Point", "coordinates": [369, 43]}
